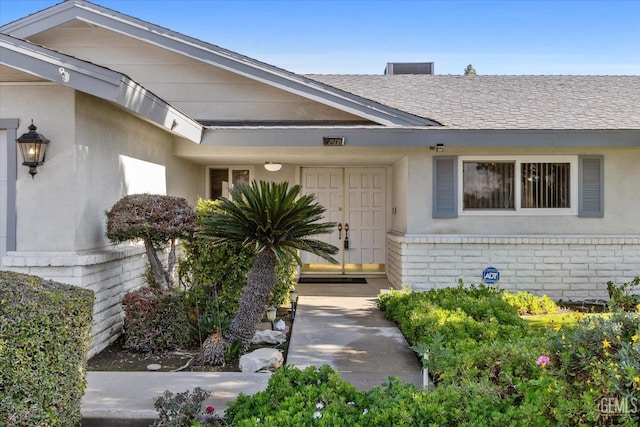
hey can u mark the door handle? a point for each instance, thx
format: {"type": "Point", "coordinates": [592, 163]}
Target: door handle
{"type": "Point", "coordinates": [346, 235]}
{"type": "Point", "coordinates": [340, 231]}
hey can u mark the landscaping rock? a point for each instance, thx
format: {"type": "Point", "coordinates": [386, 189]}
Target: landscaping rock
{"type": "Point", "coordinates": [262, 358]}
{"type": "Point", "coordinates": [269, 337]}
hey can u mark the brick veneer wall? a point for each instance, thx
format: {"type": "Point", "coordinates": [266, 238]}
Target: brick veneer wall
{"type": "Point", "coordinates": [110, 273]}
{"type": "Point", "coordinates": [563, 267]}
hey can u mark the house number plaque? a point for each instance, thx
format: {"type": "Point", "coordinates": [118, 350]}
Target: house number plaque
{"type": "Point", "coordinates": [333, 141]}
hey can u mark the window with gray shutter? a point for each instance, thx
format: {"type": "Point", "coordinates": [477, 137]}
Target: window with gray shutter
{"type": "Point", "coordinates": [445, 184]}
{"type": "Point", "coordinates": [591, 186]}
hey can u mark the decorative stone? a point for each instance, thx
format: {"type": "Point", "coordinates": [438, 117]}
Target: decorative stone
{"type": "Point", "coordinates": [262, 358]}
{"type": "Point", "coordinates": [154, 367]}
{"type": "Point", "coordinates": [269, 337]}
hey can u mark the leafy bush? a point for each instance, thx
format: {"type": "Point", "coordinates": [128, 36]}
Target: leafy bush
{"type": "Point", "coordinates": [317, 396]}
{"type": "Point", "coordinates": [460, 314]}
{"type": "Point", "coordinates": [216, 275]}
{"type": "Point", "coordinates": [45, 333]}
{"type": "Point", "coordinates": [561, 375]}
{"type": "Point", "coordinates": [155, 320]}
{"type": "Point", "coordinates": [601, 352]}
{"type": "Point", "coordinates": [297, 398]}
{"type": "Point", "coordinates": [185, 409]}
{"type": "Point", "coordinates": [528, 303]}
{"type": "Point", "coordinates": [623, 296]}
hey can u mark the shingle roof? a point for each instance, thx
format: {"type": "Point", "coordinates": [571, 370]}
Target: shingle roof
{"type": "Point", "coordinates": [504, 102]}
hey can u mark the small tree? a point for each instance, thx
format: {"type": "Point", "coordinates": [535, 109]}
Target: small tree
{"type": "Point", "coordinates": [270, 219]}
{"type": "Point", "coordinates": [156, 219]}
{"type": "Point", "coordinates": [470, 71]}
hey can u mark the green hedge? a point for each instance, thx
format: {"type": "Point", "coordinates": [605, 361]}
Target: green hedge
{"type": "Point", "coordinates": [45, 334]}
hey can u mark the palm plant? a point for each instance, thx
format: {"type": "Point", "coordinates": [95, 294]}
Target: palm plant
{"type": "Point", "coordinates": [270, 219]}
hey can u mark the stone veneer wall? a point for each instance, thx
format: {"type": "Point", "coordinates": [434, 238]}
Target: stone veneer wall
{"type": "Point", "coordinates": [110, 273]}
{"type": "Point", "coordinates": [563, 267]}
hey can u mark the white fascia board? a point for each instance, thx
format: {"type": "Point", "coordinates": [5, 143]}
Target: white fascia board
{"type": "Point", "coordinates": [97, 81]}
{"type": "Point", "coordinates": [216, 56]}
{"type": "Point", "coordinates": [41, 21]}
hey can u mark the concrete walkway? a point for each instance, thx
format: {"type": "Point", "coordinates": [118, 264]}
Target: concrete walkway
{"type": "Point", "coordinates": [336, 324]}
{"type": "Point", "coordinates": [339, 325]}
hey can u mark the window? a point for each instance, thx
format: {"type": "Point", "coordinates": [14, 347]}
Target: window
{"type": "Point", "coordinates": [220, 179]}
{"type": "Point", "coordinates": [545, 185]}
{"type": "Point", "coordinates": [525, 184]}
{"type": "Point", "coordinates": [488, 185]}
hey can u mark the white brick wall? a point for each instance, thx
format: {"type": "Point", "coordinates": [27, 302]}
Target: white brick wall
{"type": "Point", "coordinates": [563, 267]}
{"type": "Point", "coordinates": [110, 273]}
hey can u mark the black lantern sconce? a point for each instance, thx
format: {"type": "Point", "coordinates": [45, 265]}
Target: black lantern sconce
{"type": "Point", "coordinates": [33, 147]}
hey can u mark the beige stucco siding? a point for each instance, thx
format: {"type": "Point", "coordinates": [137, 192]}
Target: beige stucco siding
{"type": "Point", "coordinates": [45, 204]}
{"type": "Point", "coordinates": [62, 208]}
{"type": "Point", "coordinates": [119, 154]}
{"type": "Point", "coordinates": [200, 90]}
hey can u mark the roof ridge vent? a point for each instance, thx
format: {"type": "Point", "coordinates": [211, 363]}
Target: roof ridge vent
{"type": "Point", "coordinates": [409, 68]}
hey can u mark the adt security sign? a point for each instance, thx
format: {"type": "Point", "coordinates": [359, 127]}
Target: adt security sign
{"type": "Point", "coordinates": [490, 275]}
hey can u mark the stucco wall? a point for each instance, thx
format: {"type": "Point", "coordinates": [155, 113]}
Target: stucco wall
{"type": "Point", "coordinates": [622, 199]}
{"type": "Point", "coordinates": [563, 267]}
{"type": "Point", "coordinates": [118, 154]}
{"type": "Point", "coordinates": [98, 153]}
{"type": "Point", "coordinates": [44, 204]}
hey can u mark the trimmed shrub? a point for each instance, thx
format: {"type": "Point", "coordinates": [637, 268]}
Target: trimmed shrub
{"type": "Point", "coordinates": [158, 220]}
{"type": "Point", "coordinates": [45, 334]}
{"type": "Point", "coordinates": [155, 320]}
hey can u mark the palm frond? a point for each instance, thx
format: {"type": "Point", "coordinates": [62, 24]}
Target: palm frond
{"type": "Point", "coordinates": [270, 216]}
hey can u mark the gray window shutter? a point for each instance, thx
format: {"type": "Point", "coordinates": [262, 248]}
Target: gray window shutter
{"type": "Point", "coordinates": [445, 187]}
{"type": "Point", "coordinates": [591, 186]}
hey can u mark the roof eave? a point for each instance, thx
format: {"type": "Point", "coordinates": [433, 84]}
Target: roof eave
{"type": "Point", "coordinates": [97, 81]}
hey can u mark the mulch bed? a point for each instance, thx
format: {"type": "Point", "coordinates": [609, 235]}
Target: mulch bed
{"type": "Point", "coordinates": [117, 358]}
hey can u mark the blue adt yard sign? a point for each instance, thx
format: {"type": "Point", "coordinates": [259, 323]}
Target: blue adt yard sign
{"type": "Point", "coordinates": [490, 275]}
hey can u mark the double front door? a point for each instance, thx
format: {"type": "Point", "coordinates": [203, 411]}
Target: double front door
{"type": "Point", "coordinates": [355, 199]}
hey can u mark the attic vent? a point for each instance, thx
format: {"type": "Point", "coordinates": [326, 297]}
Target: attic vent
{"type": "Point", "coordinates": [409, 68]}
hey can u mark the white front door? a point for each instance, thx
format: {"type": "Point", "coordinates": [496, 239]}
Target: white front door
{"type": "Point", "coordinates": [355, 198]}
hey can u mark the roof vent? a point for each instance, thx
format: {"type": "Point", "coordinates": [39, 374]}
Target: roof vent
{"type": "Point", "coordinates": [409, 68]}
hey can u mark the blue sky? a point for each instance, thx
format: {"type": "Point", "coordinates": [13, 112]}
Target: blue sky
{"type": "Point", "coordinates": [360, 37]}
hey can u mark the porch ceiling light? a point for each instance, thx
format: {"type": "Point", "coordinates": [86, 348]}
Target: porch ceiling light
{"type": "Point", "coordinates": [272, 166]}
{"type": "Point", "coordinates": [33, 147]}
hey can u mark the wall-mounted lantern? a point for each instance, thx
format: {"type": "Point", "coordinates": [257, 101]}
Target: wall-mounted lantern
{"type": "Point", "coordinates": [33, 147]}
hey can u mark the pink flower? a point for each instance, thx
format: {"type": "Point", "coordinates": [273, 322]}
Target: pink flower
{"type": "Point", "coordinates": [542, 361]}
{"type": "Point", "coordinates": [210, 409]}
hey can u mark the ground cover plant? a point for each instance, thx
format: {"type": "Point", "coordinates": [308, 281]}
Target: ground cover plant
{"type": "Point", "coordinates": [584, 370]}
